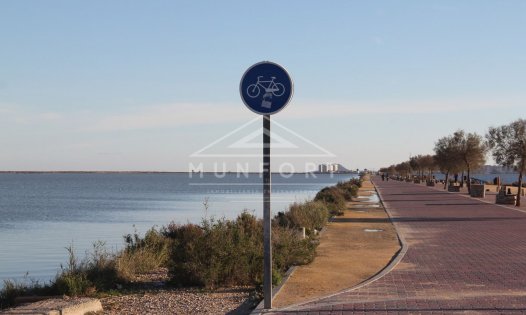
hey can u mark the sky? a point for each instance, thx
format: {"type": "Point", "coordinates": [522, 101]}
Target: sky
{"type": "Point", "coordinates": [144, 85]}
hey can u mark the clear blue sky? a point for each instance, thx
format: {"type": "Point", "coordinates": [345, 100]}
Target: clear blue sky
{"type": "Point", "coordinates": [129, 85]}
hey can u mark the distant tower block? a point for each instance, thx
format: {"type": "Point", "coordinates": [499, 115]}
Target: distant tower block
{"type": "Point", "coordinates": [329, 168]}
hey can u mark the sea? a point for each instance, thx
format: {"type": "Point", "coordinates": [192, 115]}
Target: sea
{"type": "Point", "coordinates": [43, 213]}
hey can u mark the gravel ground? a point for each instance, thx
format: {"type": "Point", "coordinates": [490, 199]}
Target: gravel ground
{"type": "Point", "coordinates": [154, 297]}
{"type": "Point", "coordinates": [180, 301]}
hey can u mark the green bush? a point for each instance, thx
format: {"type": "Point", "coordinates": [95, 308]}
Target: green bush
{"type": "Point", "coordinates": [13, 289]}
{"type": "Point", "coordinates": [218, 252]}
{"type": "Point", "coordinates": [349, 189]}
{"type": "Point", "coordinates": [289, 250]}
{"type": "Point", "coordinates": [142, 255]}
{"type": "Point", "coordinates": [96, 272]}
{"type": "Point", "coordinates": [9, 292]}
{"type": "Point", "coordinates": [334, 199]}
{"type": "Point", "coordinates": [230, 252]}
{"type": "Point", "coordinates": [311, 215]}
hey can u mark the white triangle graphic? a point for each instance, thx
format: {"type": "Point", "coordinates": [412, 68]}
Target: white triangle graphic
{"type": "Point", "coordinates": [241, 142]}
{"type": "Point", "coordinates": [254, 140]}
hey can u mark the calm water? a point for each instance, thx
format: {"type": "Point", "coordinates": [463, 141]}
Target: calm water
{"type": "Point", "coordinates": [41, 214]}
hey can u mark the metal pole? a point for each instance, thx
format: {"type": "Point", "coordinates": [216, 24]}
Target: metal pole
{"type": "Point", "coordinates": [267, 227]}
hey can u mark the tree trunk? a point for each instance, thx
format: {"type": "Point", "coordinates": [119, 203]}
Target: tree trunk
{"type": "Point", "coordinates": [447, 177]}
{"type": "Point", "coordinates": [469, 181]}
{"type": "Point", "coordinates": [518, 204]}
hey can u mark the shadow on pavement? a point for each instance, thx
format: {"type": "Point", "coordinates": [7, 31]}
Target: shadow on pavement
{"type": "Point", "coordinates": [425, 219]}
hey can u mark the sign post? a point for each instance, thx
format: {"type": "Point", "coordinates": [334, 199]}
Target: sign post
{"type": "Point", "coordinates": [266, 88]}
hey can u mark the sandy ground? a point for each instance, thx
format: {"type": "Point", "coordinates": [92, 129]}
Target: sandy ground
{"type": "Point", "coordinates": [347, 255]}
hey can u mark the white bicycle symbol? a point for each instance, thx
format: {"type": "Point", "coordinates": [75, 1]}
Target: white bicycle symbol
{"type": "Point", "coordinates": [277, 89]}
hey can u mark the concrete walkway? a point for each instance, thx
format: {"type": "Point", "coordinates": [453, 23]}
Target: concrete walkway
{"type": "Point", "coordinates": [463, 255]}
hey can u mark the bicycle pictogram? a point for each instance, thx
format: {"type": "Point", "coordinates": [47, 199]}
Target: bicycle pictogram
{"type": "Point", "coordinates": [277, 89]}
{"type": "Point", "coordinates": [266, 88]}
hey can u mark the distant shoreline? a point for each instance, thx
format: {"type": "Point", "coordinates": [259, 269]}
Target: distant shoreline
{"type": "Point", "coordinates": [154, 172]}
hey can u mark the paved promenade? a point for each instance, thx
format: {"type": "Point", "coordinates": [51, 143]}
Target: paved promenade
{"type": "Point", "coordinates": [463, 256]}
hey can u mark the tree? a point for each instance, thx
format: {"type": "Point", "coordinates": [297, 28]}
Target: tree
{"type": "Point", "coordinates": [414, 163]}
{"type": "Point", "coordinates": [403, 169]}
{"type": "Point", "coordinates": [391, 169]}
{"type": "Point", "coordinates": [427, 163]}
{"type": "Point", "coordinates": [422, 163]}
{"type": "Point", "coordinates": [508, 145]}
{"type": "Point", "coordinates": [447, 156]}
{"type": "Point", "coordinates": [472, 151]}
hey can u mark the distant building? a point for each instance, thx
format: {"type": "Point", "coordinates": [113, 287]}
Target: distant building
{"type": "Point", "coordinates": [329, 168]}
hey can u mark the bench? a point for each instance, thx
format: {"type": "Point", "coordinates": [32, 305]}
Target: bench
{"type": "Point", "coordinates": [453, 188]}
{"type": "Point", "coordinates": [503, 198]}
{"type": "Point", "coordinates": [478, 191]}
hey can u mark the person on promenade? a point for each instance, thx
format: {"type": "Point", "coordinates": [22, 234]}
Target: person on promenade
{"type": "Point", "coordinates": [387, 176]}
{"type": "Point", "coordinates": [383, 177]}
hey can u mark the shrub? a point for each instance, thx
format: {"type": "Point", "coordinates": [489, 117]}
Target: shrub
{"type": "Point", "coordinates": [230, 252]}
{"type": "Point", "coordinates": [9, 292]}
{"type": "Point", "coordinates": [13, 289]}
{"type": "Point", "coordinates": [333, 198]}
{"type": "Point", "coordinates": [142, 255]}
{"type": "Point", "coordinates": [97, 271]}
{"type": "Point", "coordinates": [349, 189]}
{"type": "Point", "coordinates": [184, 262]}
{"type": "Point", "coordinates": [311, 215]}
{"type": "Point", "coordinates": [219, 252]}
{"type": "Point", "coordinates": [289, 250]}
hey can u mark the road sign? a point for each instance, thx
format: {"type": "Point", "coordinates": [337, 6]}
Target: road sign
{"type": "Point", "coordinates": [266, 88]}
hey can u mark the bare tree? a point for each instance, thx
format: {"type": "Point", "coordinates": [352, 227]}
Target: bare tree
{"type": "Point", "coordinates": [447, 156]}
{"type": "Point", "coordinates": [508, 145]}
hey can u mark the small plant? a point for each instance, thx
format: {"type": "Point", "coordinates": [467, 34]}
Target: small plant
{"type": "Point", "coordinates": [142, 255]}
{"type": "Point", "coordinates": [28, 286]}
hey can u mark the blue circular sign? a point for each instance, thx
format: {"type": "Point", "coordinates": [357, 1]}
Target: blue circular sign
{"type": "Point", "coordinates": [266, 88]}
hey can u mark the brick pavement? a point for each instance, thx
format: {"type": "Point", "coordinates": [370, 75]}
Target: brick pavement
{"type": "Point", "coordinates": [463, 256]}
